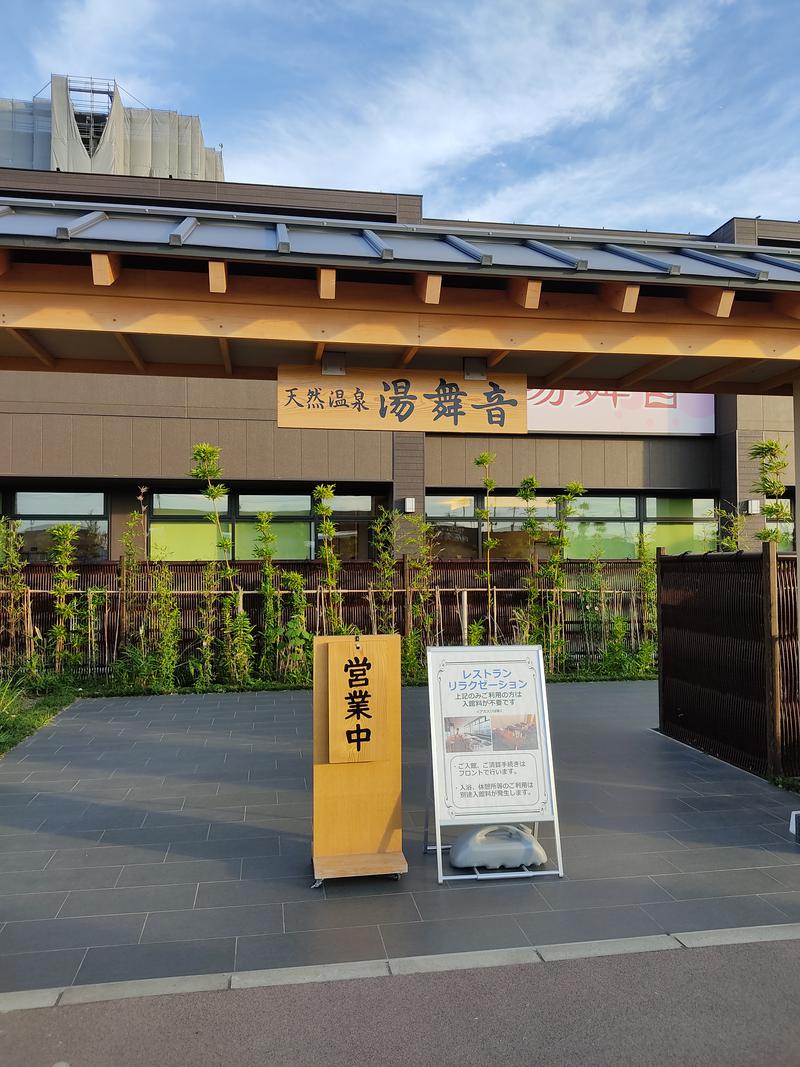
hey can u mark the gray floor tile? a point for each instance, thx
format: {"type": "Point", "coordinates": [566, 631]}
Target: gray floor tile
{"type": "Point", "coordinates": [788, 875]}
{"type": "Point", "coordinates": [50, 842]}
{"type": "Point", "coordinates": [723, 836]}
{"type": "Point", "coordinates": [39, 970]}
{"type": "Point", "coordinates": [620, 866]}
{"type": "Point", "coordinates": [24, 861]}
{"type": "Point", "coordinates": [788, 903]}
{"type": "Point", "coordinates": [452, 935]}
{"type": "Point", "coordinates": [483, 900]}
{"type": "Point", "coordinates": [108, 855]}
{"type": "Point", "coordinates": [724, 859]}
{"type": "Point", "coordinates": [177, 873]}
{"type": "Point", "coordinates": [718, 884]}
{"type": "Point", "coordinates": [357, 911]}
{"type": "Point", "coordinates": [134, 899]}
{"type": "Point", "coordinates": [274, 891]}
{"type": "Point", "coordinates": [296, 866]}
{"type": "Point", "coordinates": [309, 948]}
{"type": "Point", "coordinates": [163, 960]}
{"type": "Point", "coordinates": [213, 922]}
{"type": "Point", "coordinates": [587, 924]}
{"type": "Point", "coordinates": [605, 892]}
{"type": "Point", "coordinates": [180, 851]}
{"type": "Point", "coordinates": [16, 906]}
{"type": "Point", "coordinates": [718, 913]}
{"type": "Point", "coordinates": [156, 835]}
{"type": "Point", "coordinates": [70, 933]}
{"type": "Point", "coordinates": [50, 881]}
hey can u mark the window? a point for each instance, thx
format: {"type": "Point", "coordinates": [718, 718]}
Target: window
{"type": "Point", "coordinates": [451, 506]}
{"type": "Point", "coordinates": [453, 517]}
{"type": "Point", "coordinates": [180, 528]}
{"type": "Point", "coordinates": [39, 512]}
{"type": "Point", "coordinates": [609, 540]}
{"type": "Point", "coordinates": [609, 507]}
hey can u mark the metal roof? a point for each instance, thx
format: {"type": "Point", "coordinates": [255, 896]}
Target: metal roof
{"type": "Point", "coordinates": [251, 236]}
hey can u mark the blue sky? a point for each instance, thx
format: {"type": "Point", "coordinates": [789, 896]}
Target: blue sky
{"type": "Point", "coordinates": [670, 115]}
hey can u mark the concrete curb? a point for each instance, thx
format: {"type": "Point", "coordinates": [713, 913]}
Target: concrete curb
{"type": "Point", "coordinates": [393, 968]}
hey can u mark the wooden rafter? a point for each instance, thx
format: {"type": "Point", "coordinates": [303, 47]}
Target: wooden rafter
{"type": "Point", "coordinates": [225, 352]}
{"type": "Point", "coordinates": [527, 292]}
{"type": "Point", "coordinates": [718, 375]}
{"type": "Point", "coordinates": [786, 377]}
{"type": "Point", "coordinates": [620, 296]}
{"type": "Point", "coordinates": [712, 301]}
{"type": "Point", "coordinates": [647, 370]}
{"type": "Point", "coordinates": [106, 268]}
{"type": "Point", "coordinates": [132, 352]}
{"type": "Point", "coordinates": [407, 356]}
{"type": "Point", "coordinates": [36, 348]}
{"type": "Point", "coordinates": [326, 283]}
{"type": "Point", "coordinates": [497, 357]}
{"type": "Point", "coordinates": [428, 287]}
{"type": "Point", "coordinates": [217, 276]}
{"type": "Point", "coordinates": [787, 304]}
{"type": "Point", "coordinates": [566, 369]}
{"type": "Point", "coordinates": [319, 351]}
{"type": "Point", "coordinates": [5, 261]}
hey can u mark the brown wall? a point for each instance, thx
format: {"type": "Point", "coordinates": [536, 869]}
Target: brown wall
{"type": "Point", "coordinates": [596, 462]}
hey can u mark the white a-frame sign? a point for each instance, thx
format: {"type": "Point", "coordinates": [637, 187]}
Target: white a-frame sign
{"type": "Point", "coordinates": [490, 744]}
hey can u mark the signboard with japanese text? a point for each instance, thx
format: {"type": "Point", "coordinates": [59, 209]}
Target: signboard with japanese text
{"type": "Point", "coordinates": [357, 825]}
{"type": "Point", "coordinates": [611, 411]}
{"type": "Point", "coordinates": [490, 735]}
{"type": "Point", "coordinates": [357, 700]}
{"type": "Point", "coordinates": [400, 399]}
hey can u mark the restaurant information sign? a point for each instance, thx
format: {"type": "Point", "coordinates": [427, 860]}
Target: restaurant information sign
{"type": "Point", "coordinates": [366, 398]}
{"type": "Point", "coordinates": [490, 739]}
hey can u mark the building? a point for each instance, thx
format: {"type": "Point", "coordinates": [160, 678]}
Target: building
{"type": "Point", "coordinates": [84, 126]}
{"type": "Point", "coordinates": [139, 315]}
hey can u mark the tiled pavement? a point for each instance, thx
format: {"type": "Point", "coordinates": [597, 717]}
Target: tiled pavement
{"type": "Point", "coordinates": [161, 836]}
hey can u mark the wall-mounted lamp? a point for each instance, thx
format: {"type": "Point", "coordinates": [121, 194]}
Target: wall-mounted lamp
{"type": "Point", "coordinates": [410, 505]}
{"type": "Point", "coordinates": [752, 507]}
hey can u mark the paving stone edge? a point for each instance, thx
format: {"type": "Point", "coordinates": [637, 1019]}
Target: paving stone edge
{"type": "Point", "coordinates": [24, 1000]}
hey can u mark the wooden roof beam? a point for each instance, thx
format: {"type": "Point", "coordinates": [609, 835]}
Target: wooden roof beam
{"type": "Point", "coordinates": [407, 356]}
{"type": "Point", "coordinates": [225, 352]}
{"type": "Point", "coordinates": [319, 351]}
{"type": "Point", "coordinates": [567, 369]}
{"type": "Point", "coordinates": [428, 287]}
{"type": "Point", "coordinates": [326, 283]}
{"type": "Point", "coordinates": [718, 375]}
{"type": "Point", "coordinates": [716, 302]}
{"type": "Point", "coordinates": [5, 261]}
{"type": "Point", "coordinates": [786, 377]}
{"type": "Point", "coordinates": [217, 276]}
{"type": "Point", "coordinates": [106, 268]}
{"type": "Point", "coordinates": [133, 353]}
{"type": "Point", "coordinates": [620, 296]}
{"type": "Point", "coordinates": [527, 292]}
{"type": "Point", "coordinates": [36, 348]}
{"type": "Point", "coordinates": [497, 357]}
{"type": "Point", "coordinates": [646, 370]}
{"type": "Point", "coordinates": [787, 304]}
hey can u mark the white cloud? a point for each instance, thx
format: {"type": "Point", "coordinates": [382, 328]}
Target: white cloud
{"type": "Point", "coordinates": [115, 39]}
{"type": "Point", "coordinates": [491, 75]}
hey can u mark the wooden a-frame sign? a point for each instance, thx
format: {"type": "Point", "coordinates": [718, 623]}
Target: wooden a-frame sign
{"type": "Point", "coordinates": [358, 811]}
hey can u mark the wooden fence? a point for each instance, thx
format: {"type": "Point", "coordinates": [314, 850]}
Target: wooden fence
{"type": "Point", "coordinates": [458, 599]}
{"type": "Point", "coordinates": [728, 657]}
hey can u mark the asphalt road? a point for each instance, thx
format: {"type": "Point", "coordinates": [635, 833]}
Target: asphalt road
{"type": "Point", "coordinates": [717, 1006]}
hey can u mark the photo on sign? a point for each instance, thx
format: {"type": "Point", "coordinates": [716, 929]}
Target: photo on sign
{"type": "Point", "coordinates": [513, 733]}
{"type": "Point", "coordinates": [467, 733]}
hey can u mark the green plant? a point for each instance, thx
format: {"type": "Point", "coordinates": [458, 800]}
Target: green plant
{"type": "Point", "coordinates": [332, 564]}
{"type": "Point", "coordinates": [528, 619]}
{"type": "Point", "coordinates": [384, 546]}
{"type": "Point", "coordinates": [15, 630]}
{"type": "Point", "coordinates": [772, 462]}
{"type": "Point", "coordinates": [553, 634]}
{"type": "Point", "coordinates": [133, 601]}
{"type": "Point", "coordinates": [294, 655]}
{"type": "Point", "coordinates": [270, 598]}
{"type": "Point", "coordinates": [166, 625]}
{"type": "Point", "coordinates": [730, 525]}
{"type": "Point", "coordinates": [420, 541]}
{"type": "Point", "coordinates": [484, 461]}
{"type": "Point", "coordinates": [475, 632]}
{"type": "Point", "coordinates": [413, 664]}
{"type": "Point", "coordinates": [201, 665]}
{"type": "Point", "coordinates": [648, 587]}
{"type": "Point", "coordinates": [238, 639]}
{"type": "Point", "coordinates": [64, 635]}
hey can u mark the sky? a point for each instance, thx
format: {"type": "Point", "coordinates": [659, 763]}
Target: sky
{"type": "Point", "coordinates": [672, 115]}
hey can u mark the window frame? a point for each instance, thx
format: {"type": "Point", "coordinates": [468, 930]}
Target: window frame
{"type": "Point", "coordinates": [64, 517]}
